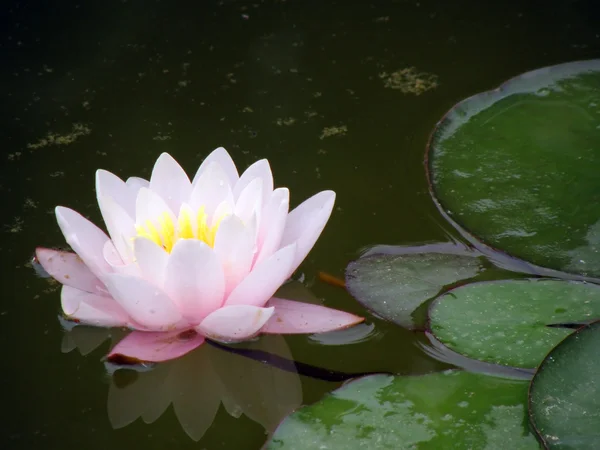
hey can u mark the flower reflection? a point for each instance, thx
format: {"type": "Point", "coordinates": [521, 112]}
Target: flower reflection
{"type": "Point", "coordinates": [197, 384]}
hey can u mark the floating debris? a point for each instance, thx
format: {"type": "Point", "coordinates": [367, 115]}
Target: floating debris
{"type": "Point", "coordinates": [77, 131]}
{"type": "Point", "coordinates": [334, 131]}
{"type": "Point", "coordinates": [409, 80]}
{"type": "Point", "coordinates": [287, 121]}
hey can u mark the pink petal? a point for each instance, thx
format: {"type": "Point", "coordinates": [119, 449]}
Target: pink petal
{"type": "Point", "coordinates": [234, 246]}
{"type": "Point", "coordinates": [250, 201]}
{"type": "Point", "coordinates": [259, 170]}
{"type": "Point", "coordinates": [295, 317]}
{"type": "Point", "coordinates": [224, 209]}
{"type": "Point", "coordinates": [194, 279]}
{"type": "Point", "coordinates": [144, 302]}
{"type": "Point", "coordinates": [210, 189]}
{"type": "Point", "coordinates": [113, 258]}
{"type": "Point", "coordinates": [120, 226]}
{"type": "Point", "coordinates": [273, 223]}
{"type": "Point", "coordinates": [221, 157]}
{"type": "Point", "coordinates": [305, 224]}
{"type": "Point", "coordinates": [235, 323]}
{"type": "Point", "coordinates": [151, 259]}
{"type": "Point", "coordinates": [110, 185]}
{"type": "Point", "coordinates": [68, 268]}
{"type": "Point", "coordinates": [135, 183]}
{"type": "Point", "coordinates": [85, 238]}
{"type": "Point", "coordinates": [170, 181]}
{"type": "Point", "coordinates": [260, 285]}
{"type": "Point", "coordinates": [92, 309]}
{"type": "Point", "coordinates": [156, 347]}
{"type": "Point", "coordinates": [151, 206]}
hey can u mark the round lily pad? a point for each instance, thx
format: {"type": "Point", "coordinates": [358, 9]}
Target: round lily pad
{"type": "Point", "coordinates": [518, 167]}
{"type": "Point", "coordinates": [507, 322]}
{"type": "Point", "coordinates": [564, 398]}
{"type": "Point", "coordinates": [452, 409]}
{"type": "Point", "coordinates": [394, 285]}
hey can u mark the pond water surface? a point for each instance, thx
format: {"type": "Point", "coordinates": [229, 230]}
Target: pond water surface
{"type": "Point", "coordinates": [337, 95]}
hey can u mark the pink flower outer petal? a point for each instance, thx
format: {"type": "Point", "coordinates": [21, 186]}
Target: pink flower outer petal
{"type": "Point", "coordinates": [292, 317]}
{"type": "Point", "coordinates": [170, 181]}
{"type": "Point", "coordinates": [155, 346]}
{"type": "Point", "coordinates": [120, 226]}
{"type": "Point", "coordinates": [110, 185]}
{"type": "Point", "coordinates": [69, 269]}
{"type": "Point", "coordinates": [264, 279]}
{"type": "Point", "coordinates": [234, 246]}
{"type": "Point", "coordinates": [145, 303]}
{"type": "Point", "coordinates": [305, 224]}
{"type": "Point", "coordinates": [272, 224]}
{"type": "Point", "coordinates": [235, 323]}
{"type": "Point", "coordinates": [92, 309]}
{"type": "Point", "coordinates": [220, 156]}
{"type": "Point", "coordinates": [194, 280]}
{"type": "Point", "coordinates": [85, 238]}
{"type": "Point", "coordinates": [210, 189]}
{"type": "Point", "coordinates": [259, 170]}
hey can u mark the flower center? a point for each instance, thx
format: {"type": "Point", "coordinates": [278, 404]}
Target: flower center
{"type": "Point", "coordinates": [164, 232]}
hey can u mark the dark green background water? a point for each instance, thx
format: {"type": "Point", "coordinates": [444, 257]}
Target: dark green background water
{"type": "Point", "coordinates": [263, 79]}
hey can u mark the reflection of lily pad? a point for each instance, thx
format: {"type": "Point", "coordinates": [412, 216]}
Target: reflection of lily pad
{"type": "Point", "coordinates": [505, 322]}
{"type": "Point", "coordinates": [394, 285]}
{"type": "Point", "coordinates": [565, 393]}
{"type": "Point", "coordinates": [453, 409]}
{"type": "Point", "coordinates": [518, 166]}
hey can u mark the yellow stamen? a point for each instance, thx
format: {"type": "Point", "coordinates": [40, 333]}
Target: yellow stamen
{"type": "Point", "coordinates": [184, 224]}
{"type": "Point", "coordinates": [165, 233]}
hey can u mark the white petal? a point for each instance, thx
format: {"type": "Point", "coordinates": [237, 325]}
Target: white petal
{"type": "Point", "coordinates": [210, 189]}
{"type": "Point", "coordinates": [135, 183]}
{"type": "Point", "coordinates": [170, 181]}
{"type": "Point", "coordinates": [150, 206]}
{"type": "Point", "coordinates": [144, 302]}
{"type": "Point", "coordinates": [234, 245]}
{"type": "Point", "coordinates": [92, 309]}
{"type": "Point", "coordinates": [85, 238]}
{"type": "Point", "coordinates": [120, 226]}
{"type": "Point", "coordinates": [221, 157]}
{"type": "Point", "coordinates": [260, 285]}
{"type": "Point", "coordinates": [250, 201]}
{"type": "Point", "coordinates": [112, 257]}
{"type": "Point", "coordinates": [152, 260]}
{"type": "Point", "coordinates": [235, 323]}
{"type": "Point", "coordinates": [224, 209]}
{"type": "Point", "coordinates": [305, 224]}
{"type": "Point", "coordinates": [259, 170]}
{"type": "Point", "coordinates": [110, 185]}
{"type": "Point", "coordinates": [68, 268]}
{"type": "Point", "coordinates": [273, 223]}
{"type": "Point", "coordinates": [194, 279]}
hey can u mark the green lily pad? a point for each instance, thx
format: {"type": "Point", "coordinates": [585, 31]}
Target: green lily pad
{"type": "Point", "coordinates": [518, 167]}
{"type": "Point", "coordinates": [452, 409]}
{"type": "Point", "coordinates": [394, 285]}
{"type": "Point", "coordinates": [564, 398]}
{"type": "Point", "coordinates": [506, 322]}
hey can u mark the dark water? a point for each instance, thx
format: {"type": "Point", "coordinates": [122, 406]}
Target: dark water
{"type": "Point", "coordinates": [302, 83]}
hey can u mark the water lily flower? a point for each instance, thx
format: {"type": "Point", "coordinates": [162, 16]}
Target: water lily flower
{"type": "Point", "coordinates": [189, 260]}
